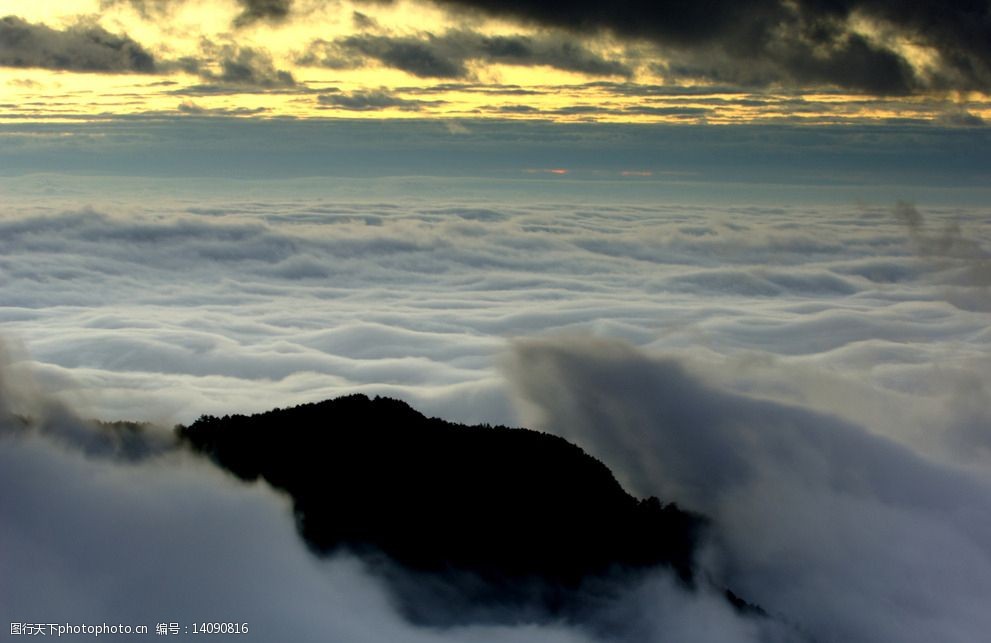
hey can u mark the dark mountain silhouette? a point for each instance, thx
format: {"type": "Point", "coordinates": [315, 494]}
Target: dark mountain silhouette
{"type": "Point", "coordinates": [474, 516]}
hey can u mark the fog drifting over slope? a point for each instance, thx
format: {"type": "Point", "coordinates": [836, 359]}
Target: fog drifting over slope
{"type": "Point", "coordinates": [851, 535]}
{"type": "Point", "coordinates": [125, 529]}
{"type": "Point", "coordinates": [818, 379]}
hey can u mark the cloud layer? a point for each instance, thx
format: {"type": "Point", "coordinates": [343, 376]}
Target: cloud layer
{"type": "Point", "coordinates": [94, 536]}
{"type": "Point", "coordinates": [788, 42]}
{"type": "Point", "coordinates": [849, 536]}
{"type": "Point", "coordinates": [870, 48]}
{"type": "Point", "coordinates": [450, 54]}
{"type": "Point", "coordinates": [84, 47]}
{"type": "Point", "coordinates": [207, 307]}
{"type": "Point", "coordinates": [874, 46]}
{"type": "Point", "coordinates": [816, 378]}
{"type": "Point", "coordinates": [252, 11]}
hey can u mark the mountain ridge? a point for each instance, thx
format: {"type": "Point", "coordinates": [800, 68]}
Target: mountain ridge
{"type": "Point", "coordinates": [510, 516]}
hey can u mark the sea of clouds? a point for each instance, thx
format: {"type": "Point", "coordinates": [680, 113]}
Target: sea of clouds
{"type": "Point", "coordinates": [817, 379]}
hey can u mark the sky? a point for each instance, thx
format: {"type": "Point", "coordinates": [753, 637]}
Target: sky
{"type": "Point", "coordinates": [740, 252]}
{"type": "Point", "coordinates": [852, 61]}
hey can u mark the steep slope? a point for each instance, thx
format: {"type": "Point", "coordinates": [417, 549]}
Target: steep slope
{"type": "Point", "coordinates": [515, 516]}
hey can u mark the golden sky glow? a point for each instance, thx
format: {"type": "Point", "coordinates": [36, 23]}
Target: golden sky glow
{"type": "Point", "coordinates": [205, 65]}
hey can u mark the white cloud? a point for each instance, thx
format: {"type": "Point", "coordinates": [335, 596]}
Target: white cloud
{"type": "Point", "coordinates": [90, 534]}
{"type": "Point", "coordinates": [848, 535]}
{"type": "Point", "coordinates": [849, 349]}
{"type": "Point", "coordinates": [189, 299]}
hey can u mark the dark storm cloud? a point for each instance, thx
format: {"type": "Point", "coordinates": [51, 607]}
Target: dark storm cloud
{"type": "Point", "coordinates": [362, 21]}
{"type": "Point", "coordinates": [768, 42]}
{"type": "Point", "coordinates": [849, 61]}
{"type": "Point", "coordinates": [676, 111]}
{"type": "Point", "coordinates": [230, 65]}
{"type": "Point", "coordinates": [420, 57]}
{"type": "Point", "coordinates": [774, 41]}
{"type": "Point", "coordinates": [190, 107]}
{"type": "Point", "coordinates": [449, 55]}
{"type": "Point", "coordinates": [255, 10]}
{"type": "Point", "coordinates": [513, 109]}
{"type": "Point", "coordinates": [82, 47]}
{"type": "Point", "coordinates": [90, 48]}
{"type": "Point", "coordinates": [252, 11]}
{"type": "Point", "coordinates": [246, 66]}
{"type": "Point", "coordinates": [369, 100]}
{"type": "Point", "coordinates": [472, 88]}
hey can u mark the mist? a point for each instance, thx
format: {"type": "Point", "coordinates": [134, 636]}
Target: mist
{"type": "Point", "coordinates": [93, 535]}
{"type": "Point", "coordinates": [849, 535]}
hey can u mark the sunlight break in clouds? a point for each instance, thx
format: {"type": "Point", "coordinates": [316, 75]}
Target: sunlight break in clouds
{"type": "Point", "coordinates": [629, 61]}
